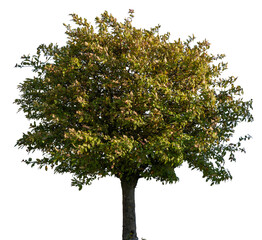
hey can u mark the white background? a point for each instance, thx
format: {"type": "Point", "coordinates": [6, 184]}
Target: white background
{"type": "Point", "coordinates": [35, 204]}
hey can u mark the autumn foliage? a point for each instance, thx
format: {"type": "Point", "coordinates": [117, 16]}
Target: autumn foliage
{"type": "Point", "coordinates": [122, 101]}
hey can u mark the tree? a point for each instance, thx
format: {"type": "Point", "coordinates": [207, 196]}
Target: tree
{"type": "Point", "coordinates": [129, 103]}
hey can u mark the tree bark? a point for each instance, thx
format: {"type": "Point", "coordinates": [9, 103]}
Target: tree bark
{"type": "Point", "coordinates": [129, 214]}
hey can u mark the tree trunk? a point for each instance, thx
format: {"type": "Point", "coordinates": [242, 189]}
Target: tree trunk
{"type": "Point", "coordinates": [129, 213]}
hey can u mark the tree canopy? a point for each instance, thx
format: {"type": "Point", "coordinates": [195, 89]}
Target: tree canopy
{"type": "Point", "coordinates": [120, 101]}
